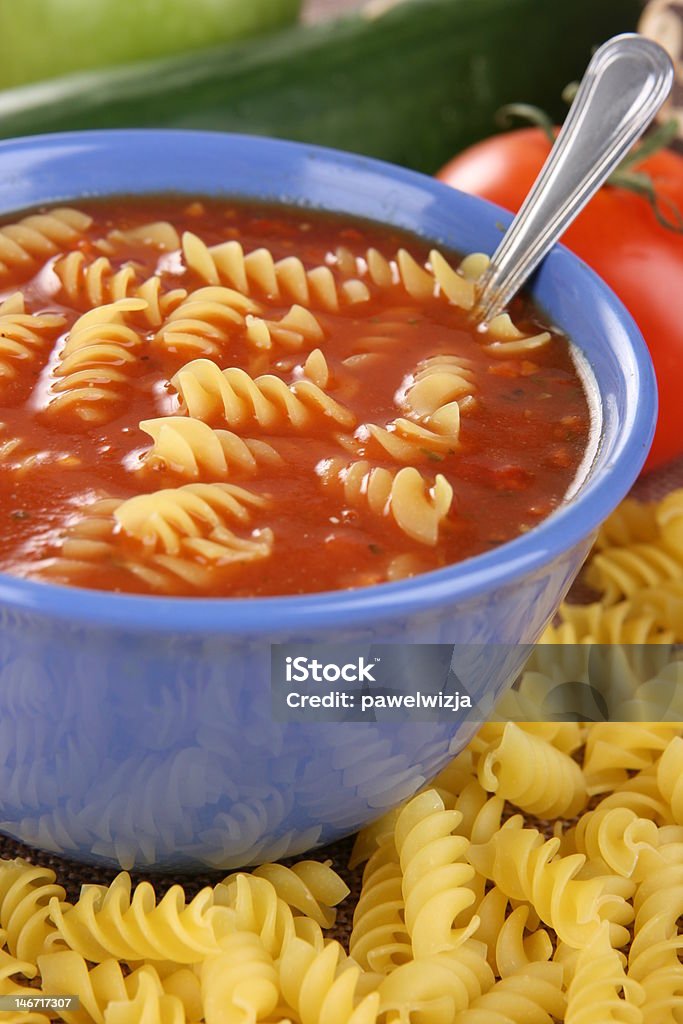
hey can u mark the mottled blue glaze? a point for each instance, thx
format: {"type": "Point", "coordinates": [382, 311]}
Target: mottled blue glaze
{"type": "Point", "coordinates": [137, 730]}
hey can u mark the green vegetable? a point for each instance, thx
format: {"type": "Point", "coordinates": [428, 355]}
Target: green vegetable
{"type": "Point", "coordinates": [413, 84]}
{"type": "Point", "coordinates": [43, 38]}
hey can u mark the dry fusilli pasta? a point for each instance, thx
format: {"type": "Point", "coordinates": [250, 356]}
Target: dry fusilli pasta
{"type": "Point", "coordinates": [596, 987]}
{"type": "Point", "coordinates": [26, 895]}
{"type": "Point", "coordinates": [525, 867]}
{"type": "Point", "coordinates": [129, 924]}
{"type": "Point", "coordinates": [240, 983]}
{"type": "Point", "coordinates": [435, 875]}
{"type": "Point", "coordinates": [259, 909]}
{"type": "Point", "coordinates": [379, 939]}
{"type": "Point", "coordinates": [533, 775]}
{"type": "Point", "coordinates": [317, 987]}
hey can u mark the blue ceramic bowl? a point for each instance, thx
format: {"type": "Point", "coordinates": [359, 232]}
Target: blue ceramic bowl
{"type": "Point", "coordinates": [139, 730]}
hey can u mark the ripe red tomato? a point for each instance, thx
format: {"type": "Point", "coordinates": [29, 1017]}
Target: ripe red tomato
{"type": "Point", "coordinates": [619, 236]}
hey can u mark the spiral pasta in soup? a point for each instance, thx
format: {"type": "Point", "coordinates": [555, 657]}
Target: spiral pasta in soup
{"type": "Point", "coordinates": [205, 398]}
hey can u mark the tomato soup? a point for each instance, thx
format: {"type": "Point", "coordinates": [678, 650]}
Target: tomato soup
{"type": "Point", "coordinates": [219, 399]}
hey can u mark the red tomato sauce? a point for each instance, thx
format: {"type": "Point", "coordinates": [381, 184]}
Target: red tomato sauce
{"type": "Point", "coordinates": [521, 441]}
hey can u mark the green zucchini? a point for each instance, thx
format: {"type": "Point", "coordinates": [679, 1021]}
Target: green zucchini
{"type": "Point", "coordinates": [413, 84]}
{"type": "Point", "coordinates": [44, 38]}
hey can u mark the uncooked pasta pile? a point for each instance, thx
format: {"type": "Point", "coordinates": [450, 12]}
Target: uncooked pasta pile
{"type": "Point", "coordinates": [465, 915]}
{"type": "Point", "coordinates": [637, 570]}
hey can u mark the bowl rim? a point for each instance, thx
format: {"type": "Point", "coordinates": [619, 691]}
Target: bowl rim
{"type": "Point", "coordinates": [557, 534]}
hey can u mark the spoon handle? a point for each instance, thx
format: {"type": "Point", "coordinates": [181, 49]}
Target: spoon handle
{"type": "Point", "coordinates": [625, 84]}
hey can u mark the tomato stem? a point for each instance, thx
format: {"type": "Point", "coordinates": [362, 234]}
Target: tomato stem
{"type": "Point", "coordinates": [658, 139]}
{"type": "Point", "coordinates": [526, 112]}
{"type": "Point", "coordinates": [666, 211]}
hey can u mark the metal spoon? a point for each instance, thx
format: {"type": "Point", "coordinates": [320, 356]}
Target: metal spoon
{"type": "Point", "coordinates": [625, 84]}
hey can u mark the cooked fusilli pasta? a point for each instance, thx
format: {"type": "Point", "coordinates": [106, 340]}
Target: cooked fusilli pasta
{"type": "Point", "coordinates": [96, 363]}
{"type": "Point", "coordinates": [190, 448]}
{"type": "Point", "coordinates": [98, 283]}
{"type": "Point", "coordinates": [181, 517]}
{"type": "Point", "coordinates": [292, 331]}
{"type": "Point", "coordinates": [509, 341]}
{"type": "Point", "coordinates": [441, 388]}
{"type": "Point", "coordinates": [23, 335]}
{"type": "Point", "coordinates": [419, 282]}
{"type": "Point", "coordinates": [440, 385]}
{"type": "Point", "coordinates": [417, 508]}
{"type": "Point", "coordinates": [188, 525]}
{"type": "Point", "coordinates": [406, 441]}
{"type": "Point", "coordinates": [158, 234]}
{"type": "Point", "coordinates": [203, 323]}
{"type": "Point", "coordinates": [316, 369]}
{"type": "Point", "coordinates": [39, 236]}
{"type": "Point", "coordinates": [276, 279]}
{"type": "Point", "coordinates": [236, 399]}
